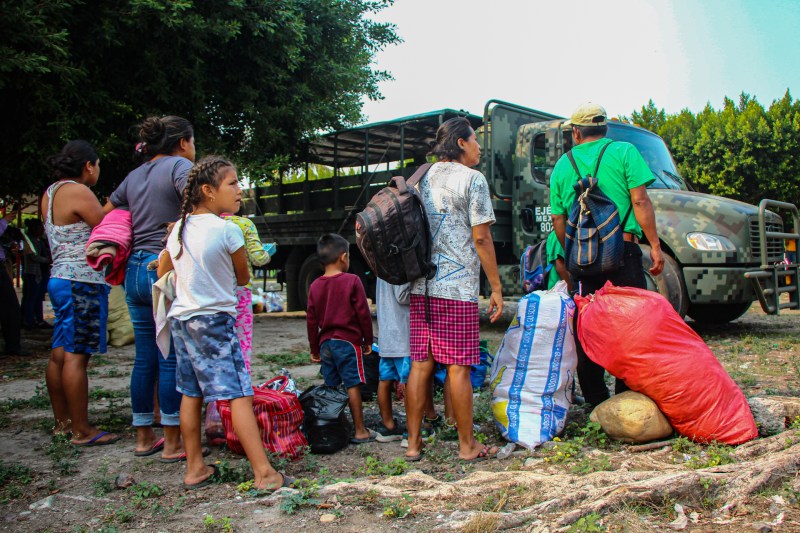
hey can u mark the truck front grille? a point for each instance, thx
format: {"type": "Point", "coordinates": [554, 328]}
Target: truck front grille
{"type": "Point", "coordinates": [774, 244]}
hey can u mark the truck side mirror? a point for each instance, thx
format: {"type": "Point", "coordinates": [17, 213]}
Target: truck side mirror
{"type": "Point", "coordinates": [527, 219]}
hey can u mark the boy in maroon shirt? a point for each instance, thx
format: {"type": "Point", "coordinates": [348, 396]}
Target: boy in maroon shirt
{"type": "Point", "coordinates": [340, 326]}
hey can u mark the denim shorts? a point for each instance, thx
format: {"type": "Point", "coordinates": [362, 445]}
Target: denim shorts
{"type": "Point", "coordinates": [341, 363]}
{"type": "Point", "coordinates": [395, 369]}
{"type": "Point", "coordinates": [81, 311]}
{"type": "Point", "coordinates": [210, 361]}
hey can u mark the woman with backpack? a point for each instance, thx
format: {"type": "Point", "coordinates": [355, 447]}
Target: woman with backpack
{"type": "Point", "coordinates": [444, 310]}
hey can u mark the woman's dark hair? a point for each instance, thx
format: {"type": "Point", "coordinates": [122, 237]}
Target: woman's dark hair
{"type": "Point", "coordinates": [70, 161]}
{"type": "Point", "coordinates": [330, 246]}
{"type": "Point", "coordinates": [162, 135]}
{"type": "Point", "coordinates": [207, 171]}
{"type": "Point", "coordinates": [447, 136]}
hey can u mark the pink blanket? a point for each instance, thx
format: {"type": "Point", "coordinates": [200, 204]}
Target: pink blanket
{"type": "Point", "coordinates": [110, 243]}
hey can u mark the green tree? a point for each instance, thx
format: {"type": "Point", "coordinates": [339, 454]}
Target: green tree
{"type": "Point", "coordinates": [255, 77]}
{"type": "Point", "coordinates": [741, 151]}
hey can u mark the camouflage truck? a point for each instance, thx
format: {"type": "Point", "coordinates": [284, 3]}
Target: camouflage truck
{"type": "Point", "coordinates": [720, 254]}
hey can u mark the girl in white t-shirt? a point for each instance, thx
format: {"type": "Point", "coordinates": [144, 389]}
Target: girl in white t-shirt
{"type": "Point", "coordinates": [210, 260]}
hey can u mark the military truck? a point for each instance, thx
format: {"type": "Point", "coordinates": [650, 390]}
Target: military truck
{"type": "Point", "coordinates": [720, 254]}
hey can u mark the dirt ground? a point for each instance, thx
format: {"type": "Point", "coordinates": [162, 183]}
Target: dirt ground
{"type": "Point", "coordinates": [48, 485]}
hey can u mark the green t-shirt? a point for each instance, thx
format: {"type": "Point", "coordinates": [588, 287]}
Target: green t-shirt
{"type": "Point", "coordinates": [554, 251]}
{"type": "Point", "coordinates": [622, 168]}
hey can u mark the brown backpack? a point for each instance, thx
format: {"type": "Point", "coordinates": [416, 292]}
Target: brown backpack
{"type": "Point", "coordinates": [394, 234]}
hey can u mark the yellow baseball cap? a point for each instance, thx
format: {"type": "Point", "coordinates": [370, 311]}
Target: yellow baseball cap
{"type": "Point", "coordinates": [588, 114]}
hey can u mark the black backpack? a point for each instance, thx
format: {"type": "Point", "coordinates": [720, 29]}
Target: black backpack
{"type": "Point", "coordinates": [594, 242]}
{"type": "Point", "coordinates": [394, 234]}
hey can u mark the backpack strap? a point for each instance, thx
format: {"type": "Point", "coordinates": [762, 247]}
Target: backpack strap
{"type": "Point", "coordinates": [417, 176]}
{"type": "Point", "coordinates": [596, 168]}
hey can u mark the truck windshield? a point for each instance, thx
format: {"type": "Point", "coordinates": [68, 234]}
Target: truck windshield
{"type": "Point", "coordinates": [655, 153]}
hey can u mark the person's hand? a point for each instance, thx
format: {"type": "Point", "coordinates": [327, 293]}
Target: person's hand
{"type": "Point", "coordinates": [366, 349]}
{"type": "Point", "coordinates": [314, 358]}
{"type": "Point", "coordinates": [658, 261]}
{"type": "Point", "coordinates": [496, 303]}
{"type": "Point", "coordinates": [10, 215]}
{"type": "Point", "coordinates": [271, 248]}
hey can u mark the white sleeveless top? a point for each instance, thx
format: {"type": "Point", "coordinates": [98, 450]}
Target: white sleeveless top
{"type": "Point", "coordinates": [68, 246]}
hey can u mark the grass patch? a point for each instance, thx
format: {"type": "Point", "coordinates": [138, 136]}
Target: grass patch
{"type": "Point", "coordinates": [64, 454]}
{"type": "Point", "coordinates": [12, 478]}
{"type": "Point", "coordinates": [99, 393]}
{"type": "Point", "coordinates": [285, 359]}
{"type": "Point", "coordinates": [398, 507]}
{"type": "Point", "coordinates": [308, 490]}
{"type": "Point", "coordinates": [39, 400]}
{"type": "Point", "coordinates": [375, 467]}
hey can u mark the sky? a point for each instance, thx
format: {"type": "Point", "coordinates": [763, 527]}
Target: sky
{"type": "Point", "coordinates": [554, 55]}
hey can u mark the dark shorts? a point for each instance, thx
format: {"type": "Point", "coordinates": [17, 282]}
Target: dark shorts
{"type": "Point", "coordinates": [81, 311]}
{"type": "Point", "coordinates": [341, 363]}
{"type": "Point", "coordinates": [210, 361]}
{"type": "Point", "coordinates": [453, 334]}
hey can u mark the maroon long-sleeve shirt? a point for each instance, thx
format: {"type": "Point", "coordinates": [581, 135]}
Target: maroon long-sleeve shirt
{"type": "Point", "coordinates": [338, 309]}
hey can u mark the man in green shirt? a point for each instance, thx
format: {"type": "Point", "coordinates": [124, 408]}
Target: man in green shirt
{"type": "Point", "coordinates": [623, 176]}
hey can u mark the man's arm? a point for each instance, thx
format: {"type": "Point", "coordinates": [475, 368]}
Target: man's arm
{"type": "Point", "coordinates": [560, 227]}
{"type": "Point", "coordinates": [646, 217]}
{"type": "Point", "coordinates": [484, 245]}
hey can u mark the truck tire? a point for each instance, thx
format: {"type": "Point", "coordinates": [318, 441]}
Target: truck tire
{"type": "Point", "coordinates": [292, 270]}
{"type": "Point", "coordinates": [309, 271]}
{"type": "Point", "coordinates": [669, 283]}
{"type": "Point", "coordinates": [360, 268]}
{"type": "Point", "coordinates": [717, 313]}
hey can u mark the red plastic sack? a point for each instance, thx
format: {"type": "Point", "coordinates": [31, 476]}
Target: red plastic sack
{"type": "Point", "coordinates": [279, 416]}
{"type": "Point", "coordinates": [637, 336]}
{"type": "Point", "coordinates": [215, 431]}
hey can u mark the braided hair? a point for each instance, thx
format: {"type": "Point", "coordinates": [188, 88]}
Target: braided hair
{"type": "Point", "coordinates": [207, 171]}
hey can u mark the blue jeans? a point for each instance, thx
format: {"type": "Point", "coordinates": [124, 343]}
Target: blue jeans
{"type": "Point", "coordinates": [148, 365]}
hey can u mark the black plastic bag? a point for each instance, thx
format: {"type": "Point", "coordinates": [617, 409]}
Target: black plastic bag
{"type": "Point", "coordinates": [325, 424]}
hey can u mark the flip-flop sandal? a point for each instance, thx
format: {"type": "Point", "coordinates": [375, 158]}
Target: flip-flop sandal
{"type": "Point", "coordinates": [416, 458]}
{"type": "Point", "coordinates": [372, 437]}
{"type": "Point", "coordinates": [483, 455]}
{"type": "Point", "coordinates": [95, 441]}
{"type": "Point", "coordinates": [206, 482]}
{"type": "Point", "coordinates": [156, 447]}
{"type": "Point", "coordinates": [181, 457]}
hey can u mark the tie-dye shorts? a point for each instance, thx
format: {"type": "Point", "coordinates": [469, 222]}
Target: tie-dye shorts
{"type": "Point", "coordinates": [81, 311]}
{"type": "Point", "coordinates": [210, 362]}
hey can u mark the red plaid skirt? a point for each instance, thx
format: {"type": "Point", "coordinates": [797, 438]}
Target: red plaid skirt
{"type": "Point", "coordinates": [453, 334]}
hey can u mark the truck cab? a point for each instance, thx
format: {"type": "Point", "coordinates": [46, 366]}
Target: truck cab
{"type": "Point", "coordinates": [710, 243]}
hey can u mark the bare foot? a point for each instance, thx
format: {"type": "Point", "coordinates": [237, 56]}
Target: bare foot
{"type": "Point", "coordinates": [97, 437]}
{"type": "Point", "coordinates": [272, 482]}
{"type": "Point", "coordinates": [193, 478]}
{"type": "Point", "coordinates": [478, 449]}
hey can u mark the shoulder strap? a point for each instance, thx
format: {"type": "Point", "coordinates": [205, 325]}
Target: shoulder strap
{"type": "Point", "coordinates": [419, 174]}
{"type": "Point", "coordinates": [596, 168]}
{"type": "Point", "coordinates": [51, 192]}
